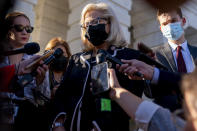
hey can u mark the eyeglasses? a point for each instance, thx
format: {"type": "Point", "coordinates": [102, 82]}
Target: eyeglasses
{"type": "Point", "coordinates": [96, 21]}
{"type": "Point", "coordinates": [20, 28]}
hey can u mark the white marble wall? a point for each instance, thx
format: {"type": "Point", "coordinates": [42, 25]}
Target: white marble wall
{"type": "Point", "coordinates": [53, 18]}
{"type": "Point", "coordinates": [145, 25]}
{"type": "Point", "coordinates": [50, 21]}
{"type": "Point", "coordinates": [26, 6]}
{"type": "Point", "coordinates": [190, 12]}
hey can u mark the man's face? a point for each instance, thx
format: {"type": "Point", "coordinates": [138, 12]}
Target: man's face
{"type": "Point", "coordinates": [170, 17]}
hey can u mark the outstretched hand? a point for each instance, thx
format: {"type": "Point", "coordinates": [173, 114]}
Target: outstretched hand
{"type": "Point", "coordinates": [20, 68]}
{"type": "Point", "coordinates": [114, 84]}
{"type": "Point", "coordinates": [41, 71]}
{"type": "Point", "coordinates": [113, 81]}
{"type": "Point", "coordinates": [132, 66]}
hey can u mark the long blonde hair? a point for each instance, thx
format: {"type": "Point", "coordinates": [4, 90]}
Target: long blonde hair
{"type": "Point", "coordinates": [115, 36]}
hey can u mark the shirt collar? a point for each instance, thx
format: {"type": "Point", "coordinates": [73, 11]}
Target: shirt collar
{"type": "Point", "coordinates": [174, 46]}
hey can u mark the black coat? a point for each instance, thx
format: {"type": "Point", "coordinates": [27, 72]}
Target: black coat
{"type": "Point", "coordinates": [167, 92]}
{"type": "Point", "coordinates": [76, 86]}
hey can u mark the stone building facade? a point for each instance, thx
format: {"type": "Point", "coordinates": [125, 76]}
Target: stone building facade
{"type": "Point", "coordinates": [52, 18]}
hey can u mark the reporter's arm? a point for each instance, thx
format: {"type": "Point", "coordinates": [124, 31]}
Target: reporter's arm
{"type": "Point", "coordinates": [169, 80]}
{"type": "Point", "coordinates": [139, 110]}
{"type": "Point", "coordinates": [163, 79]}
{"type": "Point", "coordinates": [124, 98]}
{"type": "Point", "coordinates": [144, 113]}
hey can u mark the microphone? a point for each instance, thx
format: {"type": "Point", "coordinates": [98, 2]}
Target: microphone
{"type": "Point", "coordinates": [146, 58]}
{"type": "Point", "coordinates": [103, 55]}
{"type": "Point", "coordinates": [29, 48]}
{"type": "Point", "coordinates": [151, 61]}
{"type": "Point", "coordinates": [145, 49]}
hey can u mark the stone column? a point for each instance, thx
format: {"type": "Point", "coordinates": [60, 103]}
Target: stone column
{"type": "Point", "coordinates": [189, 10]}
{"type": "Point", "coordinates": [145, 24]}
{"type": "Point", "coordinates": [26, 6]}
{"type": "Point", "coordinates": [121, 8]}
{"type": "Point", "coordinates": [50, 21]}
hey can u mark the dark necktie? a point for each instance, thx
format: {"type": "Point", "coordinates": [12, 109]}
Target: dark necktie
{"type": "Point", "coordinates": [180, 61]}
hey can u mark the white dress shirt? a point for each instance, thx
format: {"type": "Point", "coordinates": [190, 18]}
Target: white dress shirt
{"type": "Point", "coordinates": [152, 117]}
{"type": "Point", "coordinates": [186, 55]}
{"type": "Point", "coordinates": [144, 114]}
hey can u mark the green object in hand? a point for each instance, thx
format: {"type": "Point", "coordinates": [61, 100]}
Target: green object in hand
{"type": "Point", "coordinates": [105, 104]}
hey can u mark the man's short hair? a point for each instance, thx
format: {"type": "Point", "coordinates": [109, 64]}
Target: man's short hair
{"type": "Point", "coordinates": [163, 11]}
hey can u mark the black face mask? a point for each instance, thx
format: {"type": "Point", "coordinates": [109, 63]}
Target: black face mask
{"type": "Point", "coordinates": [59, 64]}
{"type": "Point", "coordinates": [96, 34]}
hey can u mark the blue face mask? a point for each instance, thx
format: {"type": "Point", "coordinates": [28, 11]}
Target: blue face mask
{"type": "Point", "coordinates": [172, 31]}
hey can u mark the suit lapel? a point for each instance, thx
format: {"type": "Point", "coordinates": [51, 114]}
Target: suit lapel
{"type": "Point", "coordinates": [192, 52]}
{"type": "Point", "coordinates": [167, 52]}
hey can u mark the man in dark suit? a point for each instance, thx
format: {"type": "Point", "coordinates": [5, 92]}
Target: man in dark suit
{"type": "Point", "coordinates": [177, 55]}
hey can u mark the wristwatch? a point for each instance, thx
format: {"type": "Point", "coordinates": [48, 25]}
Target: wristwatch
{"type": "Point", "coordinates": [57, 124]}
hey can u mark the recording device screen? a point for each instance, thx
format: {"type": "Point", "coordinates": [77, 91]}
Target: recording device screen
{"type": "Point", "coordinates": [99, 78]}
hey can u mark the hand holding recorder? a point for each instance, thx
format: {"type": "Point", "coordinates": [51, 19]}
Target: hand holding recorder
{"type": "Point", "coordinates": [46, 59]}
{"type": "Point", "coordinates": [36, 63]}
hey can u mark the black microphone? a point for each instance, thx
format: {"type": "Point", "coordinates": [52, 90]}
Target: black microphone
{"type": "Point", "coordinates": [103, 55]}
{"type": "Point", "coordinates": [151, 61]}
{"type": "Point", "coordinates": [100, 57]}
{"type": "Point", "coordinates": [29, 48]}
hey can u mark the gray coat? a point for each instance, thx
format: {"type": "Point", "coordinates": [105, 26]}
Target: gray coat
{"type": "Point", "coordinates": [164, 55]}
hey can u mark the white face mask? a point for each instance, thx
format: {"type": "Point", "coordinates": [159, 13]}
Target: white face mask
{"type": "Point", "coordinates": [172, 31]}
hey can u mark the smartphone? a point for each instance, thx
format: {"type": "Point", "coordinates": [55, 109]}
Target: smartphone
{"type": "Point", "coordinates": [99, 78]}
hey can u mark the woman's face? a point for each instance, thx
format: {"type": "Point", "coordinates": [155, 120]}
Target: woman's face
{"type": "Point", "coordinates": [63, 49]}
{"type": "Point", "coordinates": [18, 37]}
{"type": "Point", "coordinates": [92, 16]}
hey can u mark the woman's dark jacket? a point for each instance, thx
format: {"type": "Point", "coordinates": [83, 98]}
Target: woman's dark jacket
{"type": "Point", "coordinates": [74, 97]}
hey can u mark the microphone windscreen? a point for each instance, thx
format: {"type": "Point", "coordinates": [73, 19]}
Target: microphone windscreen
{"type": "Point", "coordinates": [58, 52]}
{"type": "Point", "coordinates": [31, 48]}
